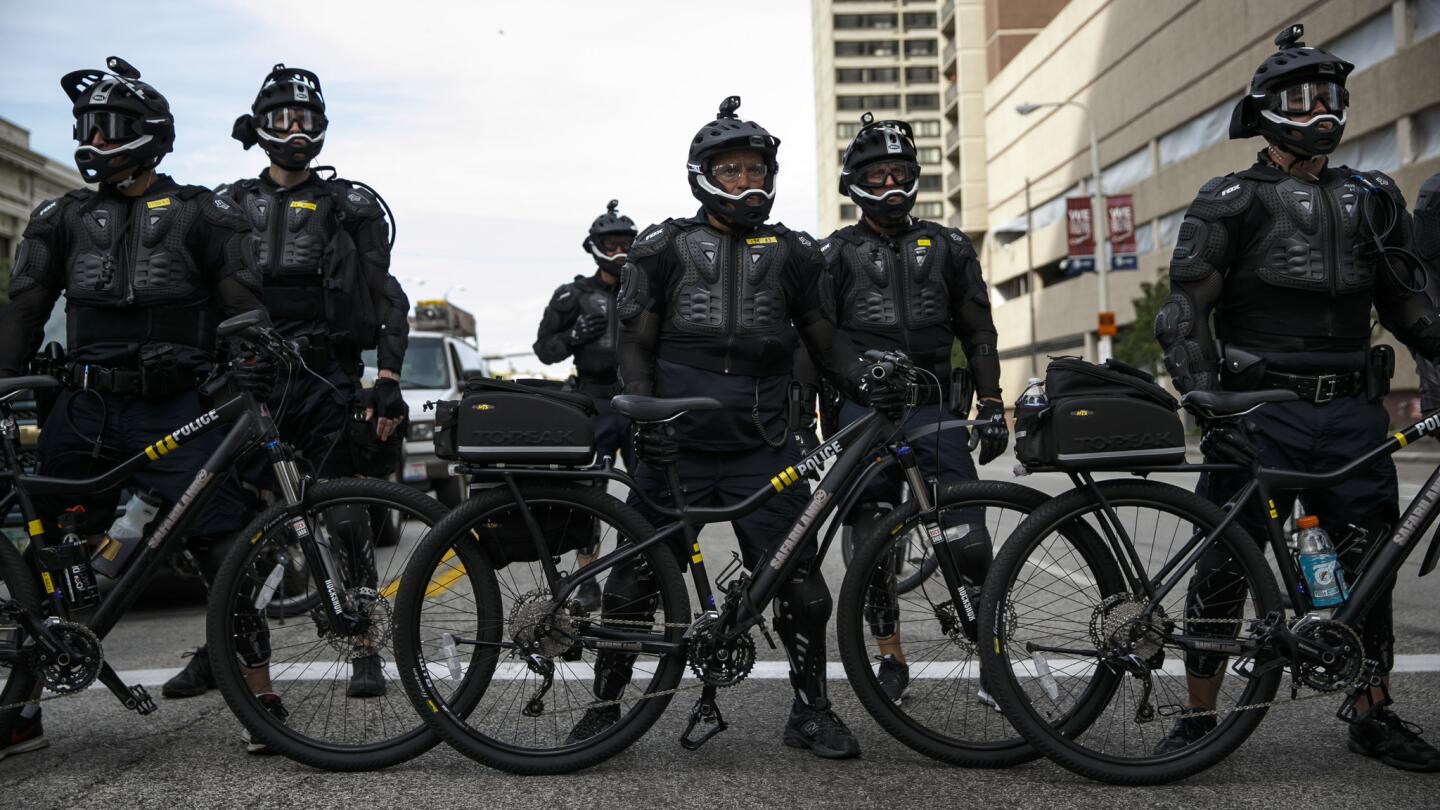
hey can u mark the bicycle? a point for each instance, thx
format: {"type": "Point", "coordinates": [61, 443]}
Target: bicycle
{"type": "Point", "coordinates": [54, 639]}
{"type": "Point", "coordinates": [470, 604]}
{"type": "Point", "coordinates": [1093, 654]}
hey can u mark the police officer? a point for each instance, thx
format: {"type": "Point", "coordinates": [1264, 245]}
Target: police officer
{"type": "Point", "coordinates": [901, 283]}
{"type": "Point", "coordinates": [149, 268]}
{"type": "Point", "coordinates": [580, 321]}
{"type": "Point", "coordinates": [324, 257]}
{"type": "Point", "coordinates": [1427, 247]}
{"type": "Point", "coordinates": [712, 305]}
{"type": "Point", "coordinates": [1289, 256]}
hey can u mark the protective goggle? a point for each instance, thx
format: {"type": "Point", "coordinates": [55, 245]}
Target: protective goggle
{"type": "Point", "coordinates": [614, 244]}
{"type": "Point", "coordinates": [901, 172]}
{"type": "Point", "coordinates": [281, 120]}
{"type": "Point", "coordinates": [114, 127]}
{"type": "Point", "coordinates": [1300, 99]}
{"type": "Point", "coordinates": [730, 172]}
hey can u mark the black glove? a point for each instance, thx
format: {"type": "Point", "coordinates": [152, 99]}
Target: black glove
{"type": "Point", "coordinates": [586, 329]}
{"type": "Point", "coordinates": [1229, 442]}
{"type": "Point", "coordinates": [992, 437]}
{"type": "Point", "coordinates": [387, 400]}
{"type": "Point", "coordinates": [655, 443]}
{"type": "Point", "coordinates": [254, 373]}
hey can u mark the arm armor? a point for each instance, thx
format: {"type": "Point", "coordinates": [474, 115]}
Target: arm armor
{"type": "Point", "coordinates": [970, 314]}
{"type": "Point", "coordinates": [35, 285]}
{"type": "Point", "coordinates": [550, 343]}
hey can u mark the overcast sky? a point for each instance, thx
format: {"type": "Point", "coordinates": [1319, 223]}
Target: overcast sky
{"type": "Point", "coordinates": [496, 130]}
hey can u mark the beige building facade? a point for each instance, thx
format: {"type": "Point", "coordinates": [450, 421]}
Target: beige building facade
{"type": "Point", "coordinates": [1159, 79]}
{"type": "Point", "coordinates": [27, 178]}
{"type": "Point", "coordinates": [883, 57]}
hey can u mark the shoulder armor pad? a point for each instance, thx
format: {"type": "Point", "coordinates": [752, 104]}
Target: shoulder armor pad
{"type": "Point", "coordinates": [804, 241]}
{"type": "Point", "coordinates": [353, 200]}
{"type": "Point", "coordinates": [652, 240]}
{"type": "Point", "coordinates": [565, 296]}
{"type": "Point", "coordinates": [46, 216]}
{"type": "Point", "coordinates": [1222, 197]}
{"type": "Point", "coordinates": [221, 210]}
{"type": "Point", "coordinates": [1385, 184]}
{"type": "Point", "coordinates": [237, 190]}
{"type": "Point", "coordinates": [955, 237]}
{"type": "Point", "coordinates": [829, 249]}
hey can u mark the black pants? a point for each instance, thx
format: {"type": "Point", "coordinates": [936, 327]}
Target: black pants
{"type": "Point", "coordinates": [1311, 438]}
{"type": "Point", "coordinates": [612, 433]}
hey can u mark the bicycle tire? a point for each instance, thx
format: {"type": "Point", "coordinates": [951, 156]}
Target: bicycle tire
{"type": "Point", "coordinates": [17, 583]}
{"type": "Point", "coordinates": [1068, 744]}
{"type": "Point", "coordinates": [236, 581]}
{"type": "Point", "coordinates": [986, 740]}
{"type": "Point", "coordinates": [495, 608]}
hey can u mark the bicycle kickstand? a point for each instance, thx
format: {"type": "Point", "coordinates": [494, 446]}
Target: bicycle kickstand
{"type": "Point", "coordinates": [705, 711]}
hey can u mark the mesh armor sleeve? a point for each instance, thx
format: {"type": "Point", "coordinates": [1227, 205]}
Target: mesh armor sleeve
{"type": "Point", "coordinates": [550, 343]}
{"type": "Point", "coordinates": [1204, 250]}
{"type": "Point", "coordinates": [637, 352]}
{"type": "Point", "coordinates": [973, 323]}
{"type": "Point", "coordinates": [371, 233]}
{"type": "Point", "coordinates": [36, 282]}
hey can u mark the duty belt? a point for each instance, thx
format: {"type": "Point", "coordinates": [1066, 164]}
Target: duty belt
{"type": "Point", "coordinates": [127, 381]}
{"type": "Point", "coordinates": [1317, 388]}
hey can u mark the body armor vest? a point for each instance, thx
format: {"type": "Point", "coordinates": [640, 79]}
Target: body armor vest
{"type": "Point", "coordinates": [596, 359]}
{"type": "Point", "coordinates": [730, 285]}
{"type": "Point", "coordinates": [132, 253]}
{"type": "Point", "coordinates": [294, 229]}
{"type": "Point", "coordinates": [898, 298]}
{"type": "Point", "coordinates": [1304, 281]}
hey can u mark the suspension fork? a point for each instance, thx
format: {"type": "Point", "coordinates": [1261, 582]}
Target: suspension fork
{"type": "Point", "coordinates": [930, 519]}
{"type": "Point", "coordinates": [319, 557]}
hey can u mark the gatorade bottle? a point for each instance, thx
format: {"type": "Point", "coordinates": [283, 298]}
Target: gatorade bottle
{"type": "Point", "coordinates": [1319, 564]}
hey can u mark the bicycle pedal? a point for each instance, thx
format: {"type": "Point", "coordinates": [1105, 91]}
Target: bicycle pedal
{"type": "Point", "coordinates": [144, 704]}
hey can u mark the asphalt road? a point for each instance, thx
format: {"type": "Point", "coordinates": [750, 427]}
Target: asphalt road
{"type": "Point", "coordinates": [189, 753]}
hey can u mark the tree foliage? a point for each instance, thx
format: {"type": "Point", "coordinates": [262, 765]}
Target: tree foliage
{"type": "Point", "coordinates": [1136, 343]}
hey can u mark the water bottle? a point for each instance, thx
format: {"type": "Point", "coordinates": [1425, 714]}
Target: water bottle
{"type": "Point", "coordinates": [1319, 564]}
{"type": "Point", "coordinates": [1027, 420]}
{"type": "Point", "coordinates": [124, 535]}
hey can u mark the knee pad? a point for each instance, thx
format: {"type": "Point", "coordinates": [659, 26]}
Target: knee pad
{"type": "Point", "coordinates": [969, 547]}
{"type": "Point", "coordinates": [882, 609]}
{"type": "Point", "coordinates": [630, 590]}
{"type": "Point", "coordinates": [803, 606]}
{"type": "Point", "coordinates": [252, 637]}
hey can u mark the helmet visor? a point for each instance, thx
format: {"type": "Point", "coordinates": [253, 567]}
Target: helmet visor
{"type": "Point", "coordinates": [281, 120]}
{"type": "Point", "coordinates": [1301, 99]}
{"type": "Point", "coordinates": [615, 243]}
{"type": "Point", "coordinates": [114, 127]}
{"type": "Point", "coordinates": [874, 176]}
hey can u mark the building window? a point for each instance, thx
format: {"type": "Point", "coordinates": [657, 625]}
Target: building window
{"type": "Point", "coordinates": [888, 74]}
{"type": "Point", "coordinates": [1427, 18]}
{"type": "Point", "coordinates": [928, 209]}
{"type": "Point", "coordinates": [848, 212]}
{"type": "Point", "coordinates": [1211, 126]}
{"type": "Point", "coordinates": [859, 75]}
{"type": "Point", "coordinates": [928, 154]}
{"type": "Point", "coordinates": [851, 22]}
{"type": "Point", "coordinates": [849, 75]}
{"type": "Point", "coordinates": [922, 101]}
{"type": "Point", "coordinates": [929, 182]}
{"type": "Point", "coordinates": [920, 47]}
{"type": "Point", "coordinates": [919, 19]}
{"type": "Point", "coordinates": [922, 75]}
{"type": "Point", "coordinates": [1377, 151]}
{"type": "Point", "coordinates": [882, 47]}
{"type": "Point", "coordinates": [1425, 133]}
{"type": "Point", "coordinates": [847, 130]}
{"type": "Point", "coordinates": [879, 102]}
{"type": "Point", "coordinates": [1366, 44]}
{"type": "Point", "coordinates": [926, 129]}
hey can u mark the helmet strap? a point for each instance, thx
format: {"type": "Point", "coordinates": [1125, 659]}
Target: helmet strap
{"type": "Point", "coordinates": [1305, 168]}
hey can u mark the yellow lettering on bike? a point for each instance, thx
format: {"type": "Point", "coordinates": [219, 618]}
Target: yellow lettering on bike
{"type": "Point", "coordinates": [1273, 514]}
{"type": "Point", "coordinates": [151, 454]}
{"type": "Point", "coordinates": [36, 528]}
{"type": "Point", "coordinates": [170, 443]}
{"type": "Point", "coordinates": [1400, 437]}
{"type": "Point", "coordinates": [49, 585]}
{"type": "Point", "coordinates": [775, 482]}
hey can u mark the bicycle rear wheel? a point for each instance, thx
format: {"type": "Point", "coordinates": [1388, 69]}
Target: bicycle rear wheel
{"type": "Point", "coordinates": [558, 697]}
{"type": "Point", "coordinates": [1090, 668]}
{"type": "Point", "coordinates": [268, 631]}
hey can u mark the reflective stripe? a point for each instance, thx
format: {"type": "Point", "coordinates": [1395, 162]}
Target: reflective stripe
{"type": "Point", "coordinates": [36, 528]}
{"type": "Point", "coordinates": [1400, 437]}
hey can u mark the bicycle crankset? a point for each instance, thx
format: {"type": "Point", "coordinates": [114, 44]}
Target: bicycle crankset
{"type": "Point", "coordinates": [721, 662]}
{"type": "Point", "coordinates": [1335, 670]}
{"type": "Point", "coordinates": [77, 666]}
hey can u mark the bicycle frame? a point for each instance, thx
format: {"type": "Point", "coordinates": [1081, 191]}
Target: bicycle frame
{"type": "Point", "coordinates": [1385, 559]}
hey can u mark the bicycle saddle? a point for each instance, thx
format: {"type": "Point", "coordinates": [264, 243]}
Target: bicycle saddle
{"type": "Point", "coordinates": [652, 409]}
{"type": "Point", "coordinates": [35, 381]}
{"type": "Point", "coordinates": [1232, 403]}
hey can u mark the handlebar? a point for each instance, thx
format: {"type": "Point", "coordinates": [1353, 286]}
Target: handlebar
{"type": "Point", "coordinates": [885, 365]}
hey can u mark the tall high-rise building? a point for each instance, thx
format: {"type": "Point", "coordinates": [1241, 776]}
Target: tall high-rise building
{"type": "Point", "coordinates": [27, 178]}
{"type": "Point", "coordinates": [883, 57]}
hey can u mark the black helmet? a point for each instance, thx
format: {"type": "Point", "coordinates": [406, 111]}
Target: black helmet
{"type": "Point", "coordinates": [287, 97]}
{"type": "Point", "coordinates": [725, 133]}
{"type": "Point", "coordinates": [126, 111]}
{"type": "Point", "coordinates": [1292, 80]}
{"type": "Point", "coordinates": [609, 224]}
{"type": "Point", "coordinates": [886, 147]}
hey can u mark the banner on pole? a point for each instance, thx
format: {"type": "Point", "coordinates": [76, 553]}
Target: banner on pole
{"type": "Point", "coordinates": [1120, 209]}
{"type": "Point", "coordinates": [1079, 237]}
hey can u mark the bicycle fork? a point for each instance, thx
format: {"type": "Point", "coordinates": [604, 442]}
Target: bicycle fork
{"type": "Point", "coordinates": [318, 555]}
{"type": "Point", "coordinates": [930, 518]}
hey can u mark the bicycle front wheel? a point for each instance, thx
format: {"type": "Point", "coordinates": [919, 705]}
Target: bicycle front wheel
{"type": "Point", "coordinates": [341, 706]}
{"type": "Point", "coordinates": [562, 690]}
{"type": "Point", "coordinates": [1090, 666]}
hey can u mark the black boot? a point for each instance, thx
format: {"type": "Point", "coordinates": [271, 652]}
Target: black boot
{"type": "Point", "coordinates": [1381, 734]}
{"type": "Point", "coordinates": [194, 680]}
{"type": "Point", "coordinates": [820, 730]}
{"type": "Point", "coordinates": [1188, 729]}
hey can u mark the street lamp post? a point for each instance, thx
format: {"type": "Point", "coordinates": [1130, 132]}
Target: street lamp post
{"type": "Point", "coordinates": [1099, 222]}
